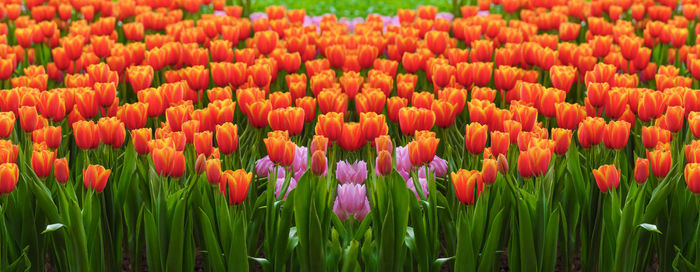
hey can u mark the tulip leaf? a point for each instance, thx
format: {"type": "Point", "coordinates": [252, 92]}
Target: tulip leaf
{"type": "Point", "coordinates": [52, 228]}
{"type": "Point", "coordinates": [214, 254]}
{"type": "Point", "coordinates": [650, 227]}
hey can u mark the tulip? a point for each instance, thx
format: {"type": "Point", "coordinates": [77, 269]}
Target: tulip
{"type": "Point", "coordinates": [51, 136]}
{"type": "Point", "coordinates": [42, 161]}
{"type": "Point", "coordinates": [436, 41]}
{"type": "Point", "coordinates": [308, 104]}
{"type": "Point", "coordinates": [234, 185]}
{"type": "Point", "coordinates": [607, 177]}
{"type": "Point", "coordinates": [445, 113]}
{"type": "Point", "coordinates": [651, 106]}
{"type": "Point", "coordinates": [675, 118]}
{"type": "Point", "coordinates": [650, 136]}
{"type": "Point", "coordinates": [213, 170]}
{"type": "Point", "coordinates": [95, 177]}
{"type": "Point", "coordinates": [694, 123]}
{"type": "Point", "coordinates": [422, 150]}
{"type": "Point", "coordinates": [590, 131]}
{"type": "Point", "coordinates": [500, 142]}
{"type": "Point", "coordinates": [7, 124]}
{"type": "Point", "coordinates": [203, 143]}
{"type": "Point", "coordinates": [319, 163]}
{"type": "Point", "coordinates": [259, 112]}
{"type": "Point", "coordinates": [475, 138]}
{"type": "Point", "coordinates": [9, 175]}
{"type": "Point", "coordinates": [616, 134]}
{"type": "Point", "coordinates": [352, 136]}
{"type": "Point", "coordinates": [351, 201]}
{"type": "Point", "coordinates": [227, 138]}
{"type": "Point", "coordinates": [383, 164]}
{"type": "Point", "coordinates": [691, 173]}
{"type": "Point", "coordinates": [562, 140]}
{"type": "Point", "coordinates": [29, 118]}
{"type": "Point", "coordinates": [140, 138]}
{"type": "Point", "coordinates": [86, 134]}
{"type": "Point", "coordinates": [641, 170]}
{"type": "Point", "coordinates": [660, 161]}
{"type": "Point", "coordinates": [111, 131]}
{"type": "Point", "coordinates": [280, 149]}
{"type": "Point", "coordinates": [290, 119]}
{"type": "Point", "coordinates": [372, 125]}
{"type": "Point", "coordinates": [489, 171]}
{"type": "Point", "coordinates": [330, 125]}
{"type": "Point", "coordinates": [355, 173]}
{"type": "Point", "coordinates": [465, 182]}
{"type": "Point", "coordinates": [133, 115]}
{"type": "Point", "coordinates": [616, 103]}
{"type": "Point", "coordinates": [140, 77]}
{"type": "Point", "coordinates": [534, 161]}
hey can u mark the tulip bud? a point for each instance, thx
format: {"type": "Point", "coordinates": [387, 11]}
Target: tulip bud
{"type": "Point", "coordinates": [200, 164]}
{"type": "Point", "coordinates": [319, 164]}
{"type": "Point", "coordinates": [213, 169]}
{"type": "Point", "coordinates": [641, 170]}
{"type": "Point", "coordinates": [489, 171]}
{"type": "Point", "coordinates": [60, 170]}
{"type": "Point", "coordinates": [383, 164]}
{"type": "Point", "coordinates": [502, 164]}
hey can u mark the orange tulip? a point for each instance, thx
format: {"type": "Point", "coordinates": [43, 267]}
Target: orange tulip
{"type": "Point", "coordinates": [234, 185]}
{"type": "Point", "coordinates": [87, 134]}
{"type": "Point", "coordinates": [641, 170]}
{"type": "Point", "coordinates": [7, 124]}
{"type": "Point", "coordinates": [674, 117]}
{"type": "Point", "coordinates": [475, 138]}
{"type": "Point", "coordinates": [140, 77]}
{"type": "Point", "coordinates": [111, 131]}
{"type": "Point", "coordinates": [489, 171]}
{"type": "Point", "coordinates": [694, 123]}
{"type": "Point", "coordinates": [203, 143]}
{"type": "Point", "coordinates": [394, 106]}
{"type": "Point", "coordinates": [534, 161]}
{"type": "Point", "coordinates": [422, 150]}
{"type": "Point", "coordinates": [464, 182]}
{"type": "Point", "coordinates": [373, 125]}
{"type": "Point", "coordinates": [691, 173]}
{"type": "Point", "coordinates": [616, 134]}
{"type": "Point", "coordinates": [29, 118]}
{"type": "Point", "coordinates": [49, 135]}
{"type": "Point", "coordinates": [562, 140]}
{"type": "Point", "coordinates": [227, 138]}
{"type": "Point", "coordinates": [330, 125]}
{"type": "Point", "coordinates": [650, 136]}
{"type": "Point", "coordinates": [607, 177]}
{"type": "Point", "coordinates": [290, 119]}
{"type": "Point", "coordinates": [9, 174]}
{"type": "Point", "coordinates": [280, 149]}
{"type": "Point", "coordinates": [95, 177]}
{"type": "Point", "coordinates": [42, 161]}
{"type": "Point", "coordinates": [370, 101]}
{"type": "Point", "coordinates": [266, 41]}
{"type": "Point", "coordinates": [660, 161]}
{"type": "Point", "coordinates": [133, 115]}
{"type": "Point", "coordinates": [590, 131]}
{"type": "Point", "coordinates": [140, 138]}
{"type": "Point", "coordinates": [351, 136]}
{"type": "Point", "coordinates": [436, 41]}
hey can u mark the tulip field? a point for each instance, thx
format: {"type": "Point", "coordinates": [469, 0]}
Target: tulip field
{"type": "Point", "coordinates": [220, 135]}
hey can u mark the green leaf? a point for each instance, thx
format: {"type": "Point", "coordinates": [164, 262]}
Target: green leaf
{"type": "Point", "coordinates": [527, 242]}
{"type": "Point", "coordinates": [350, 257]}
{"type": "Point", "coordinates": [650, 228]}
{"type": "Point", "coordinates": [52, 228]}
{"type": "Point", "coordinates": [266, 264]}
{"type": "Point", "coordinates": [210, 242]}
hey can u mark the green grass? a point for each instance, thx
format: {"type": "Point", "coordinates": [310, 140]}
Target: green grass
{"type": "Point", "coordinates": [350, 8]}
